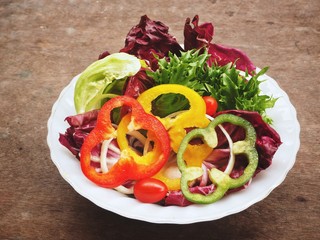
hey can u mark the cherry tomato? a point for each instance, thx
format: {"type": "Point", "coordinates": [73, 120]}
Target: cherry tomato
{"type": "Point", "coordinates": [211, 105]}
{"type": "Point", "coordinates": [150, 190]}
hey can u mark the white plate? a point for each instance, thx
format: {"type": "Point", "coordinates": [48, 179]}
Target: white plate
{"type": "Point", "coordinates": [285, 122]}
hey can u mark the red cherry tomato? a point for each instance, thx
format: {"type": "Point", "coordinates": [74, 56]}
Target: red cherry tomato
{"type": "Point", "coordinates": [150, 190]}
{"type": "Point", "coordinates": [211, 105]}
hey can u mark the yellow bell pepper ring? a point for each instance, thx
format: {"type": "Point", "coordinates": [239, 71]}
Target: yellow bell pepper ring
{"type": "Point", "coordinates": [176, 126]}
{"type": "Point", "coordinates": [194, 117]}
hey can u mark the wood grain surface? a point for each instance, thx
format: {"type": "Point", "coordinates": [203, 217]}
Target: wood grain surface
{"type": "Point", "coordinates": [43, 44]}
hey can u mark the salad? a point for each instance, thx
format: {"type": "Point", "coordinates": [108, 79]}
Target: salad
{"type": "Point", "coordinates": [172, 124]}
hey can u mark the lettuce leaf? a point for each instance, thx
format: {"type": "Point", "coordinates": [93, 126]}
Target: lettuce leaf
{"type": "Point", "coordinates": [103, 79]}
{"type": "Point", "coordinates": [235, 91]}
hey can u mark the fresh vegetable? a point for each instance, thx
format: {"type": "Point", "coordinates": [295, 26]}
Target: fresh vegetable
{"type": "Point", "coordinates": [200, 36]}
{"type": "Point", "coordinates": [224, 83]}
{"type": "Point", "coordinates": [103, 79]}
{"type": "Point", "coordinates": [221, 179]}
{"type": "Point", "coordinates": [176, 198]}
{"type": "Point", "coordinates": [130, 166]}
{"type": "Point", "coordinates": [267, 143]}
{"type": "Point", "coordinates": [80, 126]}
{"type": "Point", "coordinates": [149, 39]}
{"type": "Point", "coordinates": [235, 92]}
{"type": "Point", "coordinates": [137, 84]}
{"type": "Point", "coordinates": [268, 140]}
{"type": "Point", "coordinates": [150, 190]}
{"type": "Point", "coordinates": [178, 124]}
{"type": "Point", "coordinates": [186, 69]}
{"type": "Point", "coordinates": [211, 105]}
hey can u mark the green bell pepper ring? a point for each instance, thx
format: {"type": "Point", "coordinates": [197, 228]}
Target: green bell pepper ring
{"type": "Point", "coordinates": [222, 181]}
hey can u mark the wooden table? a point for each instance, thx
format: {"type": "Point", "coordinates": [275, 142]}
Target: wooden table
{"type": "Point", "coordinates": [45, 43]}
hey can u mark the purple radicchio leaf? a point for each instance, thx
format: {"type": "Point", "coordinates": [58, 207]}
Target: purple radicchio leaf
{"type": "Point", "coordinates": [200, 36]}
{"type": "Point", "coordinates": [80, 126]}
{"type": "Point", "coordinates": [150, 38]}
{"type": "Point", "coordinates": [268, 140]}
{"type": "Point", "coordinates": [177, 198]}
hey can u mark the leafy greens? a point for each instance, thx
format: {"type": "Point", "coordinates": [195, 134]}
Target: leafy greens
{"type": "Point", "coordinates": [225, 83]}
{"type": "Point", "coordinates": [104, 79]}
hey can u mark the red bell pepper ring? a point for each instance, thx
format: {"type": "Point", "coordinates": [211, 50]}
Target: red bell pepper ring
{"type": "Point", "coordinates": [129, 166]}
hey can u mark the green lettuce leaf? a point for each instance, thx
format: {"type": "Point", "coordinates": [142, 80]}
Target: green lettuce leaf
{"type": "Point", "coordinates": [103, 79]}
